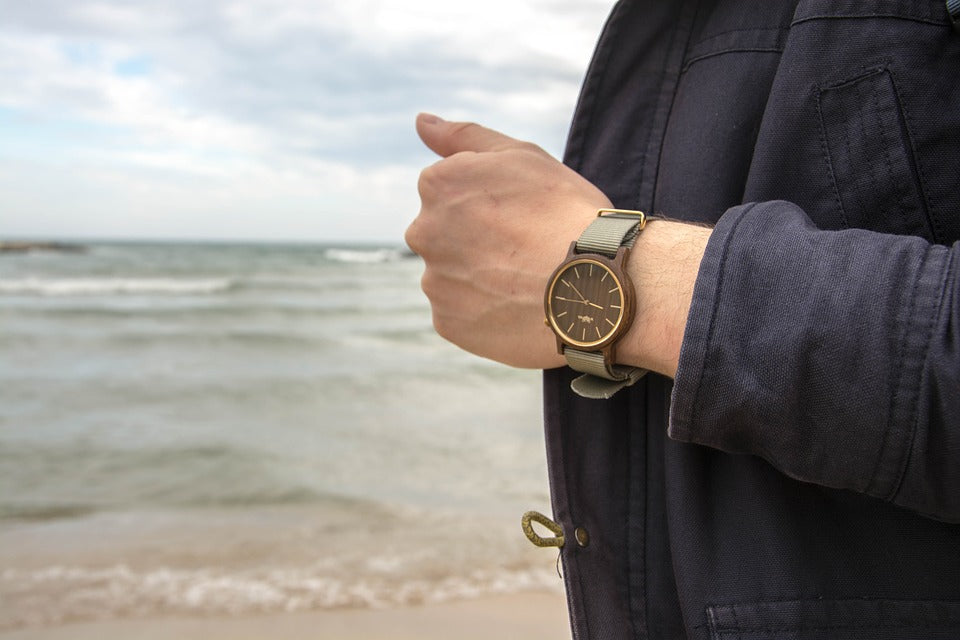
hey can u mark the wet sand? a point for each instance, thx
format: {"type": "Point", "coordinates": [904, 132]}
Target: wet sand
{"type": "Point", "coordinates": [525, 616]}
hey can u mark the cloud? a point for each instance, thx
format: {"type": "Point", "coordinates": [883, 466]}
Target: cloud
{"type": "Point", "coordinates": [168, 118]}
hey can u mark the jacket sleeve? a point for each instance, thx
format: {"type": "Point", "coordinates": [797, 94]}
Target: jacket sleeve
{"type": "Point", "coordinates": [834, 355]}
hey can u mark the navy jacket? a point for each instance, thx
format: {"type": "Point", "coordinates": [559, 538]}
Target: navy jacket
{"type": "Point", "coordinates": [801, 477]}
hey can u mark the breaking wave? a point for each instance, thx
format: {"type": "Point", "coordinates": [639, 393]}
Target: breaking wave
{"type": "Point", "coordinates": [106, 286]}
{"type": "Point", "coordinates": [77, 593]}
{"type": "Point", "coordinates": [364, 256]}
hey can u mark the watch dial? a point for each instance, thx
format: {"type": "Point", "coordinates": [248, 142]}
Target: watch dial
{"type": "Point", "coordinates": [586, 303]}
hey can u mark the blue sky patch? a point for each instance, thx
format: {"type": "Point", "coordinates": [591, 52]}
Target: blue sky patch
{"type": "Point", "coordinates": [135, 66]}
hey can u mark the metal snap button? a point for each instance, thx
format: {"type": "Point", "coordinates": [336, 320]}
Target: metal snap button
{"type": "Point", "coordinates": [583, 538]}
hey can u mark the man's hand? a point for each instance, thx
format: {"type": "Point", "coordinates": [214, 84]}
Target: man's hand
{"type": "Point", "coordinates": [498, 215]}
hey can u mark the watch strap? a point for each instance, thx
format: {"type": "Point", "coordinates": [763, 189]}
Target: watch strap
{"type": "Point", "coordinates": [607, 233]}
{"type": "Point", "coordinates": [599, 381]}
{"type": "Point", "coordinates": [953, 9]}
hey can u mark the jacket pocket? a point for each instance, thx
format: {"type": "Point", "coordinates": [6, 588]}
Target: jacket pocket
{"type": "Point", "coordinates": [869, 155]}
{"type": "Point", "coordinates": [836, 620]}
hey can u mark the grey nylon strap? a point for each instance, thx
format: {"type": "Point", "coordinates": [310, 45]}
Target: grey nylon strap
{"type": "Point", "coordinates": [606, 234]}
{"type": "Point", "coordinates": [598, 381]}
{"type": "Point", "coordinates": [587, 362]}
{"type": "Point", "coordinates": [595, 388]}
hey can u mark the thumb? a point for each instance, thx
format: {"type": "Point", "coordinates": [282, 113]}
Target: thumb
{"type": "Point", "coordinates": [447, 138]}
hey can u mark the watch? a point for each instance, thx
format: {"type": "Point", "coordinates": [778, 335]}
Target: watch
{"type": "Point", "coordinates": [589, 303]}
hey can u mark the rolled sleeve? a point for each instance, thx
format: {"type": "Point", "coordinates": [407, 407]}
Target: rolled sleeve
{"type": "Point", "coordinates": [831, 354]}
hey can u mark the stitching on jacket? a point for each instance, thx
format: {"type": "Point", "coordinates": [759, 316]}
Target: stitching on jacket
{"type": "Point", "coordinates": [574, 602]}
{"type": "Point", "coordinates": [826, 157]}
{"type": "Point", "coordinates": [872, 487]}
{"type": "Point", "coordinates": [865, 16]}
{"type": "Point", "coordinates": [931, 323]}
{"type": "Point", "coordinates": [736, 622]}
{"type": "Point", "coordinates": [588, 99]}
{"type": "Point", "coordinates": [755, 630]}
{"type": "Point", "coordinates": [875, 183]}
{"type": "Point", "coordinates": [646, 141]}
{"type": "Point", "coordinates": [729, 31]}
{"type": "Point", "coordinates": [870, 166]}
{"type": "Point", "coordinates": [713, 54]}
{"type": "Point", "coordinates": [820, 599]}
{"type": "Point", "coordinates": [627, 516]}
{"type": "Point", "coordinates": [933, 220]}
{"type": "Point", "coordinates": [563, 409]}
{"type": "Point", "coordinates": [736, 625]}
{"type": "Point", "coordinates": [887, 144]}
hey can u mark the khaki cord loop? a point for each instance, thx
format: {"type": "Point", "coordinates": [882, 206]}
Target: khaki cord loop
{"type": "Point", "coordinates": [535, 516]}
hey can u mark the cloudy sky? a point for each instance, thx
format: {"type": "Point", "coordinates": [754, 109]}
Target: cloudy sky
{"type": "Point", "coordinates": [257, 119]}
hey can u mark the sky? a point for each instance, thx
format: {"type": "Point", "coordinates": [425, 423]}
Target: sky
{"type": "Point", "coordinates": [263, 120]}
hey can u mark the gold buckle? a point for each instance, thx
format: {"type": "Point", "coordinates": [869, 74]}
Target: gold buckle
{"type": "Point", "coordinates": [628, 212]}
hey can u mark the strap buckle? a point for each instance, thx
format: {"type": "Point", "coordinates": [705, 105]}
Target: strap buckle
{"type": "Point", "coordinates": [630, 213]}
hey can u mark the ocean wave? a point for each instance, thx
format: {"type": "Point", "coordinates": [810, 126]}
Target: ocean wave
{"type": "Point", "coordinates": [365, 256]}
{"type": "Point", "coordinates": [73, 593]}
{"type": "Point", "coordinates": [104, 286]}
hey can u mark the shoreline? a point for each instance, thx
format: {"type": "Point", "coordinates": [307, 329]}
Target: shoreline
{"type": "Point", "coordinates": [522, 615]}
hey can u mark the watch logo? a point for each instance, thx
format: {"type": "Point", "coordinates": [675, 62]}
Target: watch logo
{"type": "Point", "coordinates": [585, 319]}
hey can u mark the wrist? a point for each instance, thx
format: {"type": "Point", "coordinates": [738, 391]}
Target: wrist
{"type": "Point", "coordinates": [663, 266]}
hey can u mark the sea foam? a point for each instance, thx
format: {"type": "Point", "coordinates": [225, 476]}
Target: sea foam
{"type": "Point", "coordinates": [76, 593]}
{"type": "Point", "coordinates": [107, 286]}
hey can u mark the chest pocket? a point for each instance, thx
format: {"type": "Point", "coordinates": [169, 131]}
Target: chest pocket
{"type": "Point", "coordinates": [836, 620]}
{"type": "Point", "coordinates": [869, 155]}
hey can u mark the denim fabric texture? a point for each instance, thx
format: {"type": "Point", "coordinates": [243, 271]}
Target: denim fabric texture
{"type": "Point", "coordinates": [801, 476]}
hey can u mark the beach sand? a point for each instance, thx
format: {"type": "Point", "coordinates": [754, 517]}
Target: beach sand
{"type": "Point", "coordinates": [526, 616]}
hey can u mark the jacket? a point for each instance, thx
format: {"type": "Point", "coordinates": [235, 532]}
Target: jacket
{"type": "Point", "coordinates": [800, 477]}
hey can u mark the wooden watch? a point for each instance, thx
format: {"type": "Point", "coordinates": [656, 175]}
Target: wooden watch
{"type": "Point", "coordinates": [589, 302]}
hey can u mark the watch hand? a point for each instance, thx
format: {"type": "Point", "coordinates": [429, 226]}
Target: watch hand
{"type": "Point", "coordinates": [584, 301]}
{"type": "Point", "coordinates": [594, 305]}
{"type": "Point", "coordinates": [582, 297]}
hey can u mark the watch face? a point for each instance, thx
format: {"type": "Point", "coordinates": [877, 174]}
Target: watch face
{"type": "Point", "coordinates": [585, 303]}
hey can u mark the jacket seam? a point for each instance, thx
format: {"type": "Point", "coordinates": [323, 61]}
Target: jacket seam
{"type": "Point", "coordinates": [612, 25]}
{"type": "Point", "coordinates": [915, 422]}
{"type": "Point", "coordinates": [936, 229]}
{"type": "Point", "coordinates": [867, 16]}
{"type": "Point", "coordinates": [874, 487]}
{"type": "Point", "coordinates": [713, 54]}
{"type": "Point", "coordinates": [668, 108]}
{"type": "Point", "coordinates": [714, 36]}
{"type": "Point", "coordinates": [649, 136]}
{"type": "Point", "coordinates": [825, 149]}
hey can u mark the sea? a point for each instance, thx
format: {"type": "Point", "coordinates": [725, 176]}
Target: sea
{"type": "Point", "coordinates": [228, 429]}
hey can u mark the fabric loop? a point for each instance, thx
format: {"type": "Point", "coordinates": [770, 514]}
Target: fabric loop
{"type": "Point", "coordinates": [526, 522]}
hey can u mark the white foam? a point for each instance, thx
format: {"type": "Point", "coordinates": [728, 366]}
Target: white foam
{"type": "Point", "coordinates": [74, 593]}
{"type": "Point", "coordinates": [106, 286]}
{"type": "Point", "coordinates": [363, 256]}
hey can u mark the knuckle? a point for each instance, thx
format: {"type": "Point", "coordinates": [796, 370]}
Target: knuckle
{"type": "Point", "coordinates": [428, 283]}
{"type": "Point", "coordinates": [427, 180]}
{"type": "Point", "coordinates": [412, 236]}
{"type": "Point", "coordinates": [530, 147]}
{"type": "Point", "coordinates": [436, 179]}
